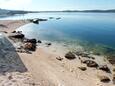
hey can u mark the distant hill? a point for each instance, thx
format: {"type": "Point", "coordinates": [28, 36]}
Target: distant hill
{"type": "Point", "coordinates": [4, 12]}
{"type": "Point", "coordinates": [96, 11]}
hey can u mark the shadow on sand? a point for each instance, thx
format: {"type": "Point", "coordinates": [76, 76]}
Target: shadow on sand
{"type": "Point", "coordinates": [9, 58]}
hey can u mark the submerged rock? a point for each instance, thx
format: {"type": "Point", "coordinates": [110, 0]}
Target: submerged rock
{"type": "Point", "coordinates": [83, 54]}
{"type": "Point", "coordinates": [70, 55]}
{"type": "Point", "coordinates": [51, 17]}
{"type": "Point", "coordinates": [90, 63]}
{"type": "Point", "coordinates": [58, 18]}
{"type": "Point", "coordinates": [105, 68]}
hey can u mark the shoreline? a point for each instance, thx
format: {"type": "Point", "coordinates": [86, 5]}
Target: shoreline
{"type": "Point", "coordinates": [49, 67]}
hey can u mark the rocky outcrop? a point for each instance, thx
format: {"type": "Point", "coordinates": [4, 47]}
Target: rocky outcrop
{"type": "Point", "coordinates": [90, 63]}
{"type": "Point", "coordinates": [70, 55]}
{"type": "Point", "coordinates": [17, 35]}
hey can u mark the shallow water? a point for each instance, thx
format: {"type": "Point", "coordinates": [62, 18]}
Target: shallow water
{"type": "Point", "coordinates": [92, 30]}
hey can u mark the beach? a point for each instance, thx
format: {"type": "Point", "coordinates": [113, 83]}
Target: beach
{"type": "Point", "coordinates": [10, 25]}
{"type": "Point", "coordinates": [47, 65]}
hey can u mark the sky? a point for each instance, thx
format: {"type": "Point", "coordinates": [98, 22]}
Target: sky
{"type": "Point", "coordinates": [51, 5]}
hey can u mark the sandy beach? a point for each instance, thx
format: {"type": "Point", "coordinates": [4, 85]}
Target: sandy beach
{"type": "Point", "coordinates": [47, 65]}
{"type": "Point", "coordinates": [10, 25]}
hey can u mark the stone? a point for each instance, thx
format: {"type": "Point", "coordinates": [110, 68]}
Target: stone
{"type": "Point", "coordinates": [104, 79]}
{"type": "Point", "coordinates": [10, 77]}
{"type": "Point", "coordinates": [113, 79]}
{"type": "Point", "coordinates": [112, 61]}
{"type": "Point", "coordinates": [13, 31]}
{"type": "Point", "coordinates": [48, 44]}
{"type": "Point", "coordinates": [70, 55]}
{"type": "Point", "coordinates": [113, 69]}
{"type": "Point", "coordinates": [90, 63]}
{"type": "Point", "coordinates": [31, 41]}
{"type": "Point", "coordinates": [105, 68]}
{"type": "Point", "coordinates": [30, 46]}
{"type": "Point", "coordinates": [36, 21]}
{"type": "Point", "coordinates": [39, 41]}
{"type": "Point", "coordinates": [17, 35]}
{"type": "Point", "coordinates": [82, 68]}
{"type": "Point", "coordinates": [59, 58]}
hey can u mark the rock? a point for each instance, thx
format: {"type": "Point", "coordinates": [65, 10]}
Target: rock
{"type": "Point", "coordinates": [113, 79]}
{"type": "Point", "coordinates": [91, 57]}
{"type": "Point", "coordinates": [113, 69]}
{"type": "Point", "coordinates": [30, 46]}
{"type": "Point", "coordinates": [13, 31]}
{"type": "Point", "coordinates": [36, 21]}
{"type": "Point", "coordinates": [17, 35]}
{"type": "Point", "coordinates": [59, 58]}
{"type": "Point", "coordinates": [58, 18]}
{"type": "Point", "coordinates": [51, 17]}
{"type": "Point", "coordinates": [39, 41]}
{"type": "Point", "coordinates": [97, 53]}
{"type": "Point", "coordinates": [10, 77]}
{"type": "Point", "coordinates": [49, 44]}
{"type": "Point", "coordinates": [104, 79]}
{"type": "Point", "coordinates": [82, 68]}
{"type": "Point", "coordinates": [83, 54]}
{"type": "Point", "coordinates": [90, 63]}
{"type": "Point", "coordinates": [31, 41]}
{"type": "Point", "coordinates": [105, 68]}
{"type": "Point", "coordinates": [111, 60]}
{"type": "Point", "coordinates": [4, 31]}
{"type": "Point", "coordinates": [70, 55]}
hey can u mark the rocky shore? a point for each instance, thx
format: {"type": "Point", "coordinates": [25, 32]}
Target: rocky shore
{"type": "Point", "coordinates": [42, 63]}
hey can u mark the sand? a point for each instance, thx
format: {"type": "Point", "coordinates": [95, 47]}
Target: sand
{"type": "Point", "coordinates": [11, 25]}
{"type": "Point", "coordinates": [43, 69]}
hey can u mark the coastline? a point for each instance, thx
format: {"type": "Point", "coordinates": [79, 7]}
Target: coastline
{"type": "Point", "coordinates": [46, 68]}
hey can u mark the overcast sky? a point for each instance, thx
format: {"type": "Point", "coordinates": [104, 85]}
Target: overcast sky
{"type": "Point", "coordinates": [39, 5]}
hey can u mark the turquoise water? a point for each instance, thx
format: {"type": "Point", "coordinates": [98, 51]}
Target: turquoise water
{"type": "Point", "coordinates": [96, 31]}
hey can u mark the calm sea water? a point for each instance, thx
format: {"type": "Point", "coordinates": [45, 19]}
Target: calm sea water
{"type": "Point", "coordinates": [88, 29]}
